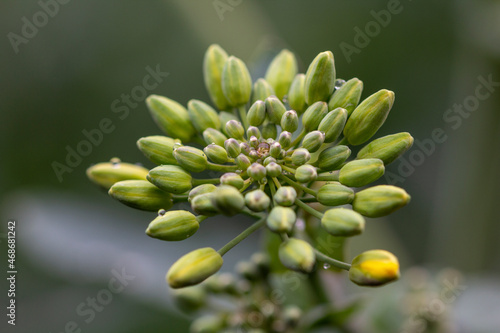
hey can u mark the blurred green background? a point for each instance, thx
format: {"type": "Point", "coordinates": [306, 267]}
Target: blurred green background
{"type": "Point", "coordinates": [64, 78]}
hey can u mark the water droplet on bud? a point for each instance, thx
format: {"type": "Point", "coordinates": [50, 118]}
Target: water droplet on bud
{"type": "Point", "coordinates": [326, 266]}
{"type": "Point", "coordinates": [162, 212]}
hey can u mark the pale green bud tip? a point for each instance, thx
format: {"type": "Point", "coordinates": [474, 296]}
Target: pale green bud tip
{"type": "Point", "coordinates": [297, 255]}
{"type": "Point", "coordinates": [213, 64]}
{"type": "Point", "coordinates": [202, 115]}
{"type": "Point", "coordinates": [296, 98]}
{"type": "Point", "coordinates": [236, 82]}
{"type": "Point", "coordinates": [285, 139]}
{"type": "Point", "coordinates": [211, 135]}
{"type": "Point", "coordinates": [281, 72]}
{"type": "Point", "coordinates": [300, 156]}
{"type": "Point", "coordinates": [320, 78]}
{"type": "Point", "coordinates": [387, 148]}
{"type": "Point", "coordinates": [273, 169]}
{"type": "Point", "coordinates": [253, 131]}
{"type": "Point", "coordinates": [256, 171]}
{"type": "Point", "coordinates": [170, 178]}
{"type": "Point", "coordinates": [380, 200]}
{"type": "Point", "coordinates": [261, 90]}
{"type": "Point", "coordinates": [333, 124]}
{"type": "Point", "coordinates": [347, 96]}
{"type": "Point", "coordinates": [235, 130]}
{"type": "Point", "coordinates": [257, 200]}
{"type": "Point", "coordinates": [203, 204]}
{"type": "Point", "coordinates": [106, 174]}
{"type": "Point", "coordinates": [243, 162]}
{"type": "Point", "coordinates": [313, 115]}
{"type": "Point", "coordinates": [174, 225]}
{"type": "Point", "coordinates": [332, 158]}
{"type": "Point", "coordinates": [275, 150]}
{"type": "Point", "coordinates": [290, 121]}
{"type": "Point", "coordinates": [159, 149]}
{"type": "Point", "coordinates": [201, 189]}
{"type": "Point", "coordinates": [359, 173]}
{"type": "Point", "coordinates": [269, 131]}
{"type": "Point", "coordinates": [313, 141]}
{"type": "Point", "coordinates": [171, 117]}
{"type": "Point", "coordinates": [335, 194]}
{"type": "Point", "coordinates": [274, 109]}
{"type": "Point", "coordinates": [285, 196]}
{"type": "Point", "coordinates": [257, 113]}
{"type": "Point", "coordinates": [141, 194]}
{"type": "Point", "coordinates": [281, 219]}
{"type": "Point", "coordinates": [228, 200]}
{"type": "Point", "coordinates": [232, 147]}
{"type": "Point", "coordinates": [216, 153]}
{"type": "Point", "coordinates": [306, 173]}
{"type": "Point", "coordinates": [343, 222]}
{"type": "Point", "coordinates": [194, 267]}
{"type": "Point", "coordinates": [191, 159]}
{"type": "Point", "coordinates": [374, 268]}
{"type": "Point", "coordinates": [233, 179]}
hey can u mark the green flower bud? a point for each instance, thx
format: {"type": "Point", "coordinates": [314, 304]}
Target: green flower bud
{"type": "Point", "coordinates": [261, 90]}
{"type": "Point", "coordinates": [300, 156]}
{"type": "Point", "coordinates": [268, 160]}
{"type": "Point", "coordinates": [387, 148]}
{"type": "Point", "coordinates": [214, 136]}
{"type": "Point", "coordinates": [224, 118]}
{"type": "Point", "coordinates": [203, 204]}
{"type": "Point", "coordinates": [297, 255]}
{"type": "Point", "coordinates": [202, 115]}
{"type": "Point", "coordinates": [361, 172]}
{"type": "Point", "coordinates": [380, 200]}
{"type": "Point", "coordinates": [368, 117]}
{"type": "Point", "coordinates": [257, 200]}
{"type": "Point", "coordinates": [348, 96]}
{"type": "Point", "coordinates": [269, 131]}
{"type": "Point", "coordinates": [253, 131]}
{"type": "Point", "coordinates": [333, 124]}
{"type": "Point", "coordinates": [216, 153]}
{"type": "Point", "coordinates": [273, 169]}
{"type": "Point", "coordinates": [332, 158]}
{"type": "Point", "coordinates": [194, 267]}
{"type": "Point", "coordinates": [274, 109]}
{"type": "Point", "coordinates": [233, 179]}
{"type": "Point", "coordinates": [191, 159]}
{"type": "Point", "coordinates": [275, 150]}
{"type": "Point", "coordinates": [201, 189]}
{"type": "Point", "coordinates": [106, 174]}
{"type": "Point", "coordinates": [256, 171]}
{"type": "Point", "coordinates": [234, 129]}
{"type": "Point", "coordinates": [313, 141]}
{"type": "Point", "coordinates": [232, 147]}
{"type": "Point", "coordinates": [141, 194]}
{"type": "Point", "coordinates": [306, 173]}
{"type": "Point", "coordinates": [257, 113]}
{"type": "Point", "coordinates": [243, 162]}
{"type": "Point", "coordinates": [374, 268]}
{"type": "Point", "coordinates": [285, 196]}
{"type": "Point", "coordinates": [190, 299]}
{"type": "Point", "coordinates": [343, 222]}
{"type": "Point", "coordinates": [285, 139]}
{"type": "Point", "coordinates": [213, 64]}
{"type": "Point", "coordinates": [174, 225]}
{"type": "Point", "coordinates": [236, 82]}
{"type": "Point", "coordinates": [170, 178]}
{"type": "Point", "coordinates": [290, 121]}
{"type": "Point", "coordinates": [313, 115]}
{"type": "Point", "coordinates": [281, 219]}
{"type": "Point", "coordinates": [335, 194]}
{"type": "Point", "coordinates": [296, 98]}
{"type": "Point", "coordinates": [281, 72]}
{"type": "Point", "coordinates": [228, 200]}
{"type": "Point", "coordinates": [208, 324]}
{"type": "Point", "coordinates": [171, 117]}
{"type": "Point", "coordinates": [159, 149]}
{"type": "Point", "coordinates": [320, 78]}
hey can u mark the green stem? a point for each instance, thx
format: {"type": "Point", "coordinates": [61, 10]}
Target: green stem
{"type": "Point", "coordinates": [236, 240]}
{"type": "Point", "coordinates": [220, 167]}
{"type": "Point", "coordinates": [344, 141]}
{"type": "Point", "coordinates": [243, 115]}
{"type": "Point", "coordinates": [248, 212]}
{"type": "Point", "coordinates": [329, 177]}
{"type": "Point", "coordinates": [297, 185]}
{"type": "Point", "coordinates": [309, 199]}
{"type": "Point", "coordinates": [201, 218]}
{"type": "Point", "coordinates": [276, 182]}
{"type": "Point", "coordinates": [197, 182]}
{"type": "Point", "coordinates": [299, 138]}
{"type": "Point", "coordinates": [332, 262]}
{"type": "Point", "coordinates": [246, 184]}
{"type": "Point", "coordinates": [308, 209]}
{"type": "Point", "coordinates": [286, 168]}
{"type": "Point", "coordinates": [273, 190]}
{"type": "Point", "coordinates": [179, 198]}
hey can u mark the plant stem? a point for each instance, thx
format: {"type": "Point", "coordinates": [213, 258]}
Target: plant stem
{"type": "Point", "coordinates": [243, 115]}
{"type": "Point", "coordinates": [331, 177]}
{"type": "Point", "coordinates": [300, 137]}
{"type": "Point", "coordinates": [276, 182]}
{"type": "Point", "coordinates": [220, 167]}
{"type": "Point", "coordinates": [291, 170]}
{"type": "Point", "coordinates": [197, 182]}
{"type": "Point", "coordinates": [295, 184]}
{"type": "Point", "coordinates": [236, 240]}
{"type": "Point", "coordinates": [309, 200]}
{"type": "Point", "coordinates": [309, 209]}
{"type": "Point", "coordinates": [179, 198]}
{"type": "Point", "coordinates": [332, 262]}
{"type": "Point", "coordinates": [343, 141]}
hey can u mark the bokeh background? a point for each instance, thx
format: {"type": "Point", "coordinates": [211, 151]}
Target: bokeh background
{"type": "Point", "coordinates": [72, 239]}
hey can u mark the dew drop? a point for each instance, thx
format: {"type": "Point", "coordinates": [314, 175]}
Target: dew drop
{"type": "Point", "coordinates": [339, 83]}
{"type": "Point", "coordinates": [162, 212]}
{"type": "Point", "coordinates": [238, 171]}
{"type": "Point", "coordinates": [139, 164]}
{"type": "Point", "coordinates": [115, 161]}
{"type": "Point", "coordinates": [326, 266]}
{"type": "Point", "coordinates": [263, 181]}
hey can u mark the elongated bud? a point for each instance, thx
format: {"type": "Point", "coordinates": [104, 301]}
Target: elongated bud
{"type": "Point", "coordinates": [213, 64]}
{"type": "Point", "coordinates": [281, 72]}
{"type": "Point", "coordinates": [171, 117]}
{"type": "Point", "coordinates": [170, 178]}
{"type": "Point", "coordinates": [320, 78]}
{"type": "Point", "coordinates": [201, 189]}
{"type": "Point", "coordinates": [300, 156]}
{"type": "Point", "coordinates": [232, 147]}
{"type": "Point", "coordinates": [191, 159]}
{"type": "Point", "coordinates": [273, 169]}
{"type": "Point", "coordinates": [194, 267]}
{"type": "Point", "coordinates": [269, 131]}
{"type": "Point", "coordinates": [268, 160]}
{"type": "Point", "coordinates": [306, 173]}
{"type": "Point", "coordinates": [361, 172]}
{"type": "Point", "coordinates": [313, 115]}
{"type": "Point", "coordinates": [335, 194]}
{"type": "Point", "coordinates": [387, 148]}
{"type": "Point", "coordinates": [243, 162]}
{"type": "Point", "coordinates": [106, 174]}
{"type": "Point", "coordinates": [235, 130]}
{"type": "Point", "coordinates": [285, 139]}
{"type": "Point", "coordinates": [141, 194]}
{"type": "Point", "coordinates": [256, 171]}
{"type": "Point", "coordinates": [233, 179]}
{"type": "Point", "coordinates": [333, 124]}
{"type": "Point", "coordinates": [216, 153]}
{"type": "Point", "coordinates": [368, 117]}
{"type": "Point", "coordinates": [332, 158]}
{"type": "Point", "coordinates": [290, 121]}
{"type": "Point", "coordinates": [224, 118]}
{"type": "Point", "coordinates": [257, 113]}
{"type": "Point", "coordinates": [236, 82]}
{"type": "Point", "coordinates": [261, 90]}
{"type": "Point", "coordinates": [374, 268]}
{"type": "Point", "coordinates": [159, 149]}
{"type": "Point", "coordinates": [174, 225]}
{"type": "Point", "coordinates": [347, 96]}
{"type": "Point", "coordinates": [228, 200]}
{"type": "Point", "coordinates": [190, 299]}
{"type": "Point", "coordinates": [297, 255]}
{"type": "Point", "coordinates": [257, 200]}
{"type": "Point", "coordinates": [313, 141]}
{"type": "Point", "coordinates": [281, 219]}
{"type": "Point", "coordinates": [253, 131]}
{"type": "Point", "coordinates": [202, 115]}
{"type": "Point", "coordinates": [296, 98]}
{"type": "Point", "coordinates": [274, 109]}
{"type": "Point", "coordinates": [275, 150]}
{"type": "Point", "coordinates": [341, 222]}
{"type": "Point", "coordinates": [380, 200]}
{"type": "Point", "coordinates": [203, 204]}
{"type": "Point", "coordinates": [214, 136]}
{"type": "Point", "coordinates": [285, 196]}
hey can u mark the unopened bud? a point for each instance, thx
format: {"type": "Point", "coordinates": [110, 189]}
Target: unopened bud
{"type": "Point", "coordinates": [170, 178]}
{"type": "Point", "coordinates": [256, 171]}
{"type": "Point", "coordinates": [141, 194]}
{"type": "Point", "coordinates": [296, 98]}
{"type": "Point", "coordinates": [313, 141]}
{"type": "Point", "coordinates": [257, 200]}
{"type": "Point", "coordinates": [174, 225]}
{"type": "Point", "coordinates": [253, 131]}
{"type": "Point", "coordinates": [171, 117]}
{"type": "Point", "coordinates": [285, 139]}
{"type": "Point", "coordinates": [332, 158]}
{"type": "Point", "coordinates": [202, 115]}
{"type": "Point", "coordinates": [341, 222]}
{"type": "Point", "coordinates": [387, 148]}
{"type": "Point", "coordinates": [380, 200]}
{"type": "Point", "coordinates": [274, 109]}
{"type": "Point", "coordinates": [297, 255]}
{"type": "Point", "coordinates": [285, 196]}
{"type": "Point", "coordinates": [269, 131]}
{"type": "Point", "coordinates": [300, 156]}
{"type": "Point", "coordinates": [273, 169]}
{"type": "Point", "coordinates": [275, 150]}
{"type": "Point", "coordinates": [281, 219]}
{"type": "Point", "coordinates": [224, 118]}
{"type": "Point", "coordinates": [106, 174]}
{"type": "Point", "coordinates": [290, 121]}
{"type": "Point", "coordinates": [214, 136]}
{"type": "Point", "coordinates": [359, 173]}
{"type": "Point", "coordinates": [306, 173]}
{"type": "Point", "coordinates": [236, 82]}
{"type": "Point", "coordinates": [313, 115]}
{"type": "Point", "coordinates": [191, 159]}
{"type": "Point", "coordinates": [201, 189]}
{"type": "Point", "coordinates": [333, 124]}
{"type": "Point", "coordinates": [347, 96]}
{"type": "Point", "coordinates": [281, 72]}
{"type": "Point", "coordinates": [213, 64]}
{"type": "Point", "coordinates": [243, 162]}
{"type": "Point", "coordinates": [203, 204]}
{"type": "Point", "coordinates": [320, 78]}
{"type": "Point", "coordinates": [194, 267]}
{"type": "Point", "coordinates": [216, 153]}
{"type": "Point", "coordinates": [261, 90]}
{"type": "Point", "coordinates": [235, 130]}
{"type": "Point", "coordinates": [232, 147]}
{"type": "Point", "coordinates": [233, 179]}
{"type": "Point", "coordinates": [335, 194]}
{"type": "Point", "coordinates": [228, 200]}
{"type": "Point", "coordinates": [374, 268]}
{"type": "Point", "coordinates": [159, 149]}
{"type": "Point", "coordinates": [257, 113]}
